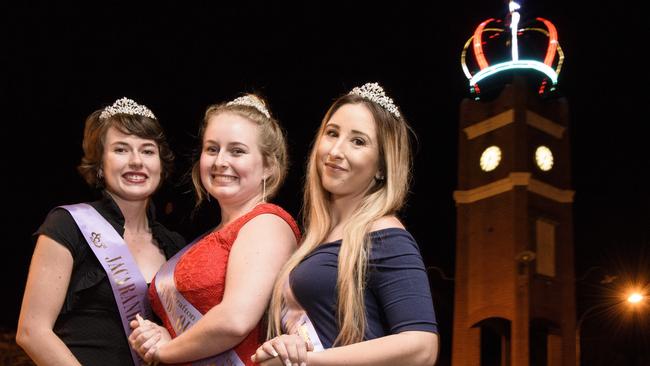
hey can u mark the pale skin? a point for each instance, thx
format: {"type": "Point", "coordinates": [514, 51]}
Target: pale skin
{"type": "Point", "coordinates": [348, 163]}
{"type": "Point", "coordinates": [231, 171]}
{"type": "Point", "coordinates": [132, 173]}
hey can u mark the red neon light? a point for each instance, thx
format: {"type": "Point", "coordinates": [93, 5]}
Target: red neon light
{"type": "Point", "coordinates": [478, 47]}
{"type": "Point", "coordinates": [552, 42]}
{"type": "Point", "coordinates": [542, 87]}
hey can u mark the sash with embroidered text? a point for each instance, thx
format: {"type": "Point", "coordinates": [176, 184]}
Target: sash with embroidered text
{"type": "Point", "coordinates": [128, 284]}
{"type": "Point", "coordinates": [181, 313]}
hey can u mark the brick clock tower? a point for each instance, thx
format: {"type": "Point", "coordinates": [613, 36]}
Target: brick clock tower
{"type": "Point", "coordinates": [514, 282]}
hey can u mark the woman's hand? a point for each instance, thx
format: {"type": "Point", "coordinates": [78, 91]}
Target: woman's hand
{"type": "Point", "coordinates": [289, 348]}
{"type": "Point", "coordinates": [275, 361]}
{"type": "Point", "coordinates": [147, 337]}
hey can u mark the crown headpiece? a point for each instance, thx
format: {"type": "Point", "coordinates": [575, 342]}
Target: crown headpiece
{"type": "Point", "coordinates": [126, 106]}
{"type": "Point", "coordinates": [375, 93]}
{"type": "Point", "coordinates": [251, 101]}
{"type": "Point", "coordinates": [493, 36]}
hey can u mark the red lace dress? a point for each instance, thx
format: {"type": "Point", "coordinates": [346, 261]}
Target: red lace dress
{"type": "Point", "coordinates": [200, 274]}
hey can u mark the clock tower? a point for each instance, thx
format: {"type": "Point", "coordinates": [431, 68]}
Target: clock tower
{"type": "Point", "coordinates": [514, 282]}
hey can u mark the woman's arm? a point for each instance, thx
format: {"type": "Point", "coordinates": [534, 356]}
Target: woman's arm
{"type": "Point", "coordinates": [47, 283]}
{"type": "Point", "coordinates": [407, 348]}
{"type": "Point", "coordinates": [398, 282]}
{"type": "Point", "coordinates": [262, 247]}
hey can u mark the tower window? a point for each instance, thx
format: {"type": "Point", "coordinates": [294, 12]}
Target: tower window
{"type": "Point", "coordinates": [545, 239]}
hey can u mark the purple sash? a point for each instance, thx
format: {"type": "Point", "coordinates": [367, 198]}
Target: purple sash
{"type": "Point", "coordinates": [181, 313]}
{"type": "Point", "coordinates": [128, 284]}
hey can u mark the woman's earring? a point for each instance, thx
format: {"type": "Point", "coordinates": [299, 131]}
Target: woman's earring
{"type": "Point", "coordinates": [100, 174]}
{"type": "Point", "coordinates": [264, 190]}
{"type": "Point", "coordinates": [379, 178]}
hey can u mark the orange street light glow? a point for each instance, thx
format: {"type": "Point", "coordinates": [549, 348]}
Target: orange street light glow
{"type": "Point", "coordinates": [635, 298]}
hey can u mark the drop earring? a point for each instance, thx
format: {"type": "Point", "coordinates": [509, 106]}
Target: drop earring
{"type": "Point", "coordinates": [264, 190]}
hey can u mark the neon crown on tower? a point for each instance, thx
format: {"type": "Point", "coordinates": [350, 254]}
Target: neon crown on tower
{"type": "Point", "coordinates": [500, 45]}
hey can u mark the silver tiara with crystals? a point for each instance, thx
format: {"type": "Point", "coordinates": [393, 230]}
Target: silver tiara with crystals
{"type": "Point", "coordinates": [126, 106]}
{"type": "Point", "coordinates": [375, 93]}
{"type": "Point", "coordinates": [251, 101]}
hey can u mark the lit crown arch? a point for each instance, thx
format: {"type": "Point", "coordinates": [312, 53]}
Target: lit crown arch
{"type": "Point", "coordinates": [510, 46]}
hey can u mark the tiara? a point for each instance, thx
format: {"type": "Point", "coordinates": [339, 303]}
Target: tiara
{"type": "Point", "coordinates": [251, 101]}
{"type": "Point", "coordinates": [126, 106]}
{"type": "Point", "coordinates": [375, 93]}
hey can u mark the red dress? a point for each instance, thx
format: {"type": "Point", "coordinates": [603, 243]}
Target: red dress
{"type": "Point", "coordinates": [200, 274]}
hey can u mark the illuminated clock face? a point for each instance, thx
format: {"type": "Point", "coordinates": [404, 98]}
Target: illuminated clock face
{"type": "Point", "coordinates": [544, 158]}
{"type": "Point", "coordinates": [490, 158]}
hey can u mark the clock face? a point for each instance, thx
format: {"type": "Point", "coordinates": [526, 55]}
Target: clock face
{"type": "Point", "coordinates": [490, 158]}
{"type": "Point", "coordinates": [544, 158]}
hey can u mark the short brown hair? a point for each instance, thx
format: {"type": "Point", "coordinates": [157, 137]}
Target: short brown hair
{"type": "Point", "coordinates": [95, 138]}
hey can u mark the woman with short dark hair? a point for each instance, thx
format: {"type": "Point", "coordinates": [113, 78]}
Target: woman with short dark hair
{"type": "Point", "coordinates": [92, 262]}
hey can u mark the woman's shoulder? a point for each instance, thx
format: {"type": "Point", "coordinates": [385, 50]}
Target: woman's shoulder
{"type": "Point", "coordinates": [270, 208]}
{"type": "Point", "coordinates": [60, 226]}
{"type": "Point", "coordinates": [263, 223]}
{"type": "Point", "coordinates": [390, 238]}
{"type": "Point", "coordinates": [269, 215]}
{"type": "Point", "coordinates": [387, 222]}
{"type": "Point", "coordinates": [58, 216]}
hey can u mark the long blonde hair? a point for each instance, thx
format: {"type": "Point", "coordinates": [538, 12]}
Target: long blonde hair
{"type": "Point", "coordinates": [385, 197]}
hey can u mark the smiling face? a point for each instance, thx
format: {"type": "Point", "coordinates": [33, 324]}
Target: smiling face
{"type": "Point", "coordinates": [131, 165]}
{"type": "Point", "coordinates": [348, 152]}
{"type": "Point", "coordinates": [231, 164]}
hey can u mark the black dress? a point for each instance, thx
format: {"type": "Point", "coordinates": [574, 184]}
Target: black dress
{"type": "Point", "coordinates": [89, 322]}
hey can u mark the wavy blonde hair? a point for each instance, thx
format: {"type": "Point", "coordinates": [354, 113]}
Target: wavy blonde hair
{"type": "Point", "coordinates": [385, 197]}
{"type": "Point", "coordinates": [272, 145]}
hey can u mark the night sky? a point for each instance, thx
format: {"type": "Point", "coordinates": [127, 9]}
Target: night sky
{"type": "Point", "coordinates": [62, 62]}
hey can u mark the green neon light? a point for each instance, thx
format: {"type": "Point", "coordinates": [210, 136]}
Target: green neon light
{"type": "Point", "coordinates": [520, 64]}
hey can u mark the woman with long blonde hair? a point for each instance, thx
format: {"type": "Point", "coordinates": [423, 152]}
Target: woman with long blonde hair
{"type": "Point", "coordinates": [356, 291]}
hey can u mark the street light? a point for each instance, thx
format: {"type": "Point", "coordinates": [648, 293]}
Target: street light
{"type": "Point", "coordinates": [633, 298]}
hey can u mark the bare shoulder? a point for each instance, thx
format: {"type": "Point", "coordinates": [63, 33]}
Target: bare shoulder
{"type": "Point", "coordinates": [267, 227]}
{"type": "Point", "coordinates": [387, 222]}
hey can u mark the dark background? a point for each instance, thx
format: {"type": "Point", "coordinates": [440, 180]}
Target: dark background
{"type": "Point", "coordinates": [62, 61]}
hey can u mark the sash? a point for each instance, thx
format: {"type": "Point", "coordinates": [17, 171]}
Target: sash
{"type": "Point", "coordinates": [129, 287]}
{"type": "Point", "coordinates": [181, 313]}
{"type": "Point", "coordinates": [296, 321]}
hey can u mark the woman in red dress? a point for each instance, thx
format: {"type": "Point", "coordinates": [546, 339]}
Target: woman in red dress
{"type": "Point", "coordinates": [212, 296]}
